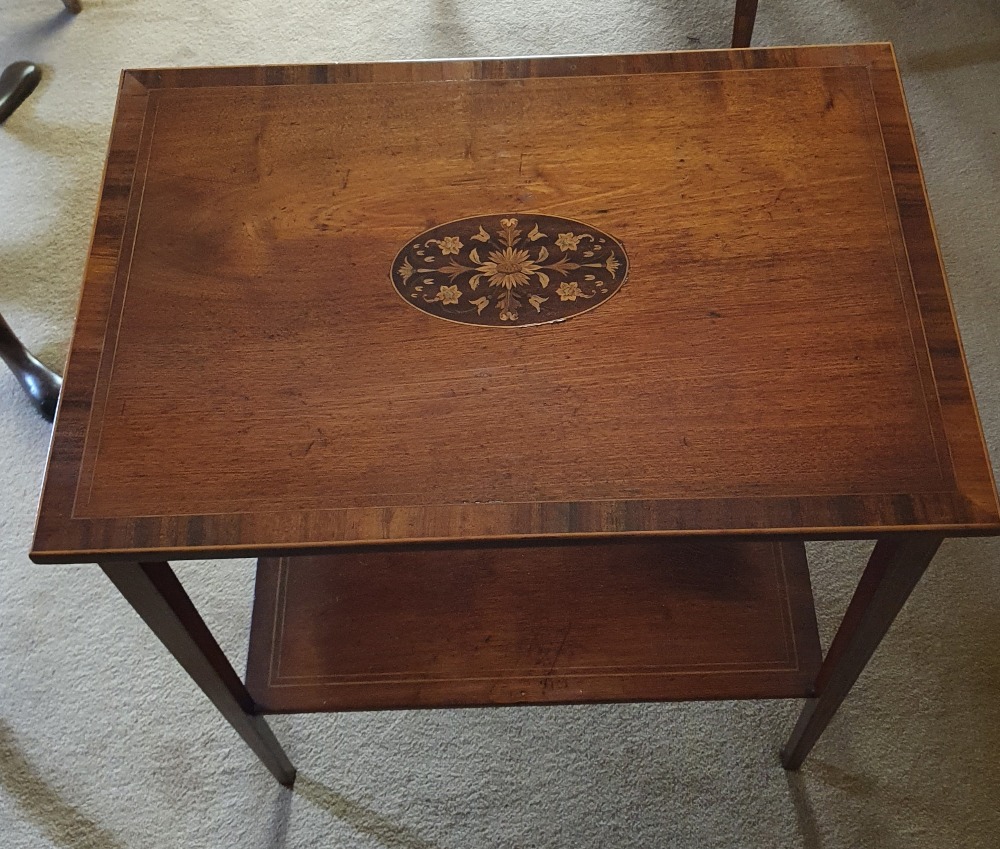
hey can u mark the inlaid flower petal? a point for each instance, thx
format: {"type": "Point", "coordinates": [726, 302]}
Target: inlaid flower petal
{"type": "Point", "coordinates": [502, 270]}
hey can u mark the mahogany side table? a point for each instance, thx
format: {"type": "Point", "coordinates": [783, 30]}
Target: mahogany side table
{"type": "Point", "coordinates": [525, 379]}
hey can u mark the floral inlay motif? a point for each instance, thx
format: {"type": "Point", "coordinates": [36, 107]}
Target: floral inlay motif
{"type": "Point", "coordinates": [509, 270]}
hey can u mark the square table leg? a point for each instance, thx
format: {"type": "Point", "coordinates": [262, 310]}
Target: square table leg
{"type": "Point", "coordinates": [158, 597]}
{"type": "Point", "coordinates": [743, 21]}
{"type": "Point", "coordinates": [891, 574]}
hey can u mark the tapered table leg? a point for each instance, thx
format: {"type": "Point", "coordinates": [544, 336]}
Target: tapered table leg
{"type": "Point", "coordinates": [743, 21]}
{"type": "Point", "coordinates": [891, 574]}
{"type": "Point", "coordinates": [158, 597]}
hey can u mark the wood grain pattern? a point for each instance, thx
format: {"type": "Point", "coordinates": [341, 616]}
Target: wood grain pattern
{"type": "Point", "coordinates": [783, 360]}
{"type": "Point", "coordinates": [634, 621]}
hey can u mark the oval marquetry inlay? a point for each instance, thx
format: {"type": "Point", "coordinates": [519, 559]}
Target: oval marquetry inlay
{"type": "Point", "coordinates": [509, 270]}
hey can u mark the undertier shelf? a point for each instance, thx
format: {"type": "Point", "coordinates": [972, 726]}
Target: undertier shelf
{"type": "Point", "coordinates": [646, 620]}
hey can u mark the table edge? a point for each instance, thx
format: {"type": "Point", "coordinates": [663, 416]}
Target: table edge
{"type": "Point", "coordinates": [980, 517]}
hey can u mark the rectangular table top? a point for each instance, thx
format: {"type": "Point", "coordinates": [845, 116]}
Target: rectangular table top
{"type": "Point", "coordinates": [671, 293]}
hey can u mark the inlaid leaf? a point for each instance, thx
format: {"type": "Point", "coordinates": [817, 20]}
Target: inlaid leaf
{"type": "Point", "coordinates": [509, 257]}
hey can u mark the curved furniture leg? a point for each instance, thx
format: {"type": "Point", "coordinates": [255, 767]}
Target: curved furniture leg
{"type": "Point", "coordinates": [17, 81]}
{"type": "Point", "coordinates": [158, 597]}
{"type": "Point", "coordinates": [41, 383]}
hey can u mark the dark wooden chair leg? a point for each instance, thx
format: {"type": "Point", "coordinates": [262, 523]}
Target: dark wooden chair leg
{"type": "Point", "coordinates": [158, 597]}
{"type": "Point", "coordinates": [746, 15]}
{"type": "Point", "coordinates": [41, 383]}
{"type": "Point", "coordinates": [891, 574]}
{"type": "Point", "coordinates": [72, 6]}
{"type": "Point", "coordinates": [17, 81]}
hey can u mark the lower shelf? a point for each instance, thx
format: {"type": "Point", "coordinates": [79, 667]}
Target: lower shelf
{"type": "Point", "coordinates": [648, 620]}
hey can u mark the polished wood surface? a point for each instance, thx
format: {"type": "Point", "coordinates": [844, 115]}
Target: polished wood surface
{"type": "Point", "coordinates": [634, 621]}
{"type": "Point", "coordinates": [783, 359]}
{"type": "Point", "coordinates": [781, 362]}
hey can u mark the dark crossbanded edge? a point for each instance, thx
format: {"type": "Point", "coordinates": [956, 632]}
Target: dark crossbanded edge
{"type": "Point", "coordinates": [202, 416]}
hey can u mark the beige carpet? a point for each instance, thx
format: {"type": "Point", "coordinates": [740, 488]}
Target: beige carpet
{"type": "Point", "coordinates": [104, 742]}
